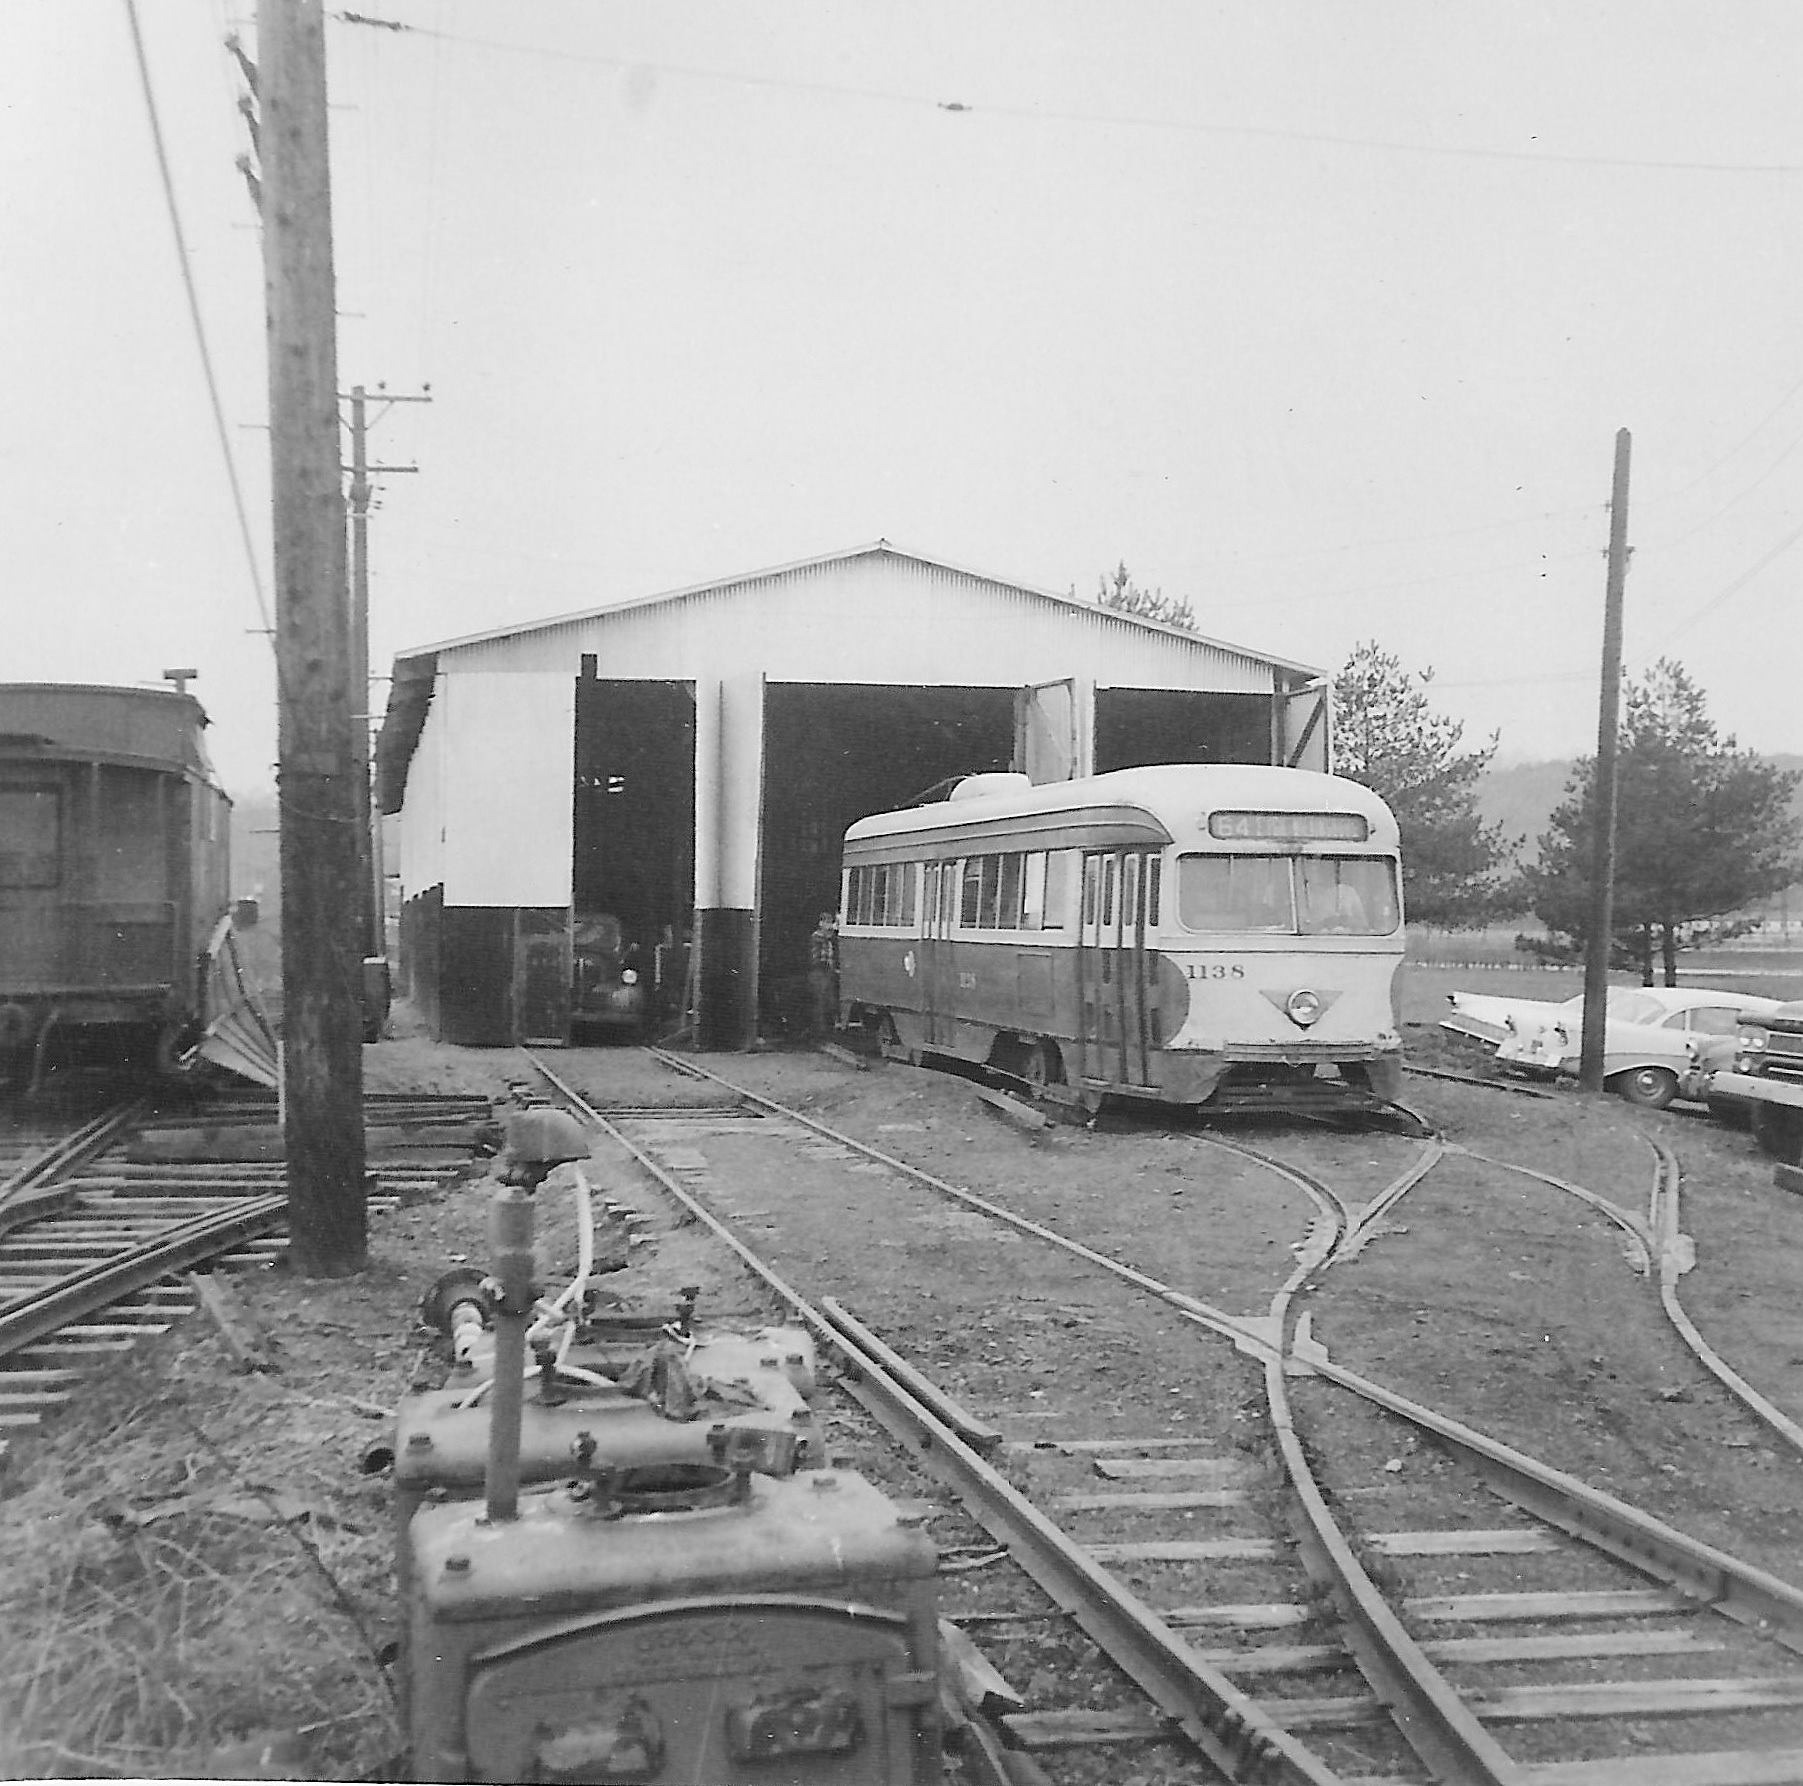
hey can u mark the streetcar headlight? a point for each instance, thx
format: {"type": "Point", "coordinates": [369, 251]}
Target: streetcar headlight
{"type": "Point", "coordinates": [1303, 1007]}
{"type": "Point", "coordinates": [629, 976]}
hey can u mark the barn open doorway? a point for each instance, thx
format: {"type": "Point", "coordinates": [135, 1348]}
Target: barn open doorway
{"type": "Point", "coordinates": [633, 869]}
{"type": "Point", "coordinates": [834, 753]}
{"type": "Point", "coordinates": [1135, 726]}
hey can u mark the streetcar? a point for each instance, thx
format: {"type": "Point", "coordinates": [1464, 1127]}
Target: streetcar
{"type": "Point", "coordinates": [1227, 936]}
{"type": "Point", "coordinates": [114, 875]}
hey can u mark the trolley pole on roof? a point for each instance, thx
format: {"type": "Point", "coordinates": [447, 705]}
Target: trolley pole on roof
{"type": "Point", "coordinates": [322, 1071]}
{"type": "Point", "coordinates": [1602, 869]}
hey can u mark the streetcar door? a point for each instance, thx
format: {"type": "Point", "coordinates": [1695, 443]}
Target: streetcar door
{"type": "Point", "coordinates": [1112, 967]}
{"type": "Point", "coordinates": [1130, 966]}
{"type": "Point", "coordinates": [939, 901]}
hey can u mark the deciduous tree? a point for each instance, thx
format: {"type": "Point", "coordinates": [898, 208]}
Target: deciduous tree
{"type": "Point", "coordinates": [1703, 830]}
{"type": "Point", "coordinates": [1388, 736]}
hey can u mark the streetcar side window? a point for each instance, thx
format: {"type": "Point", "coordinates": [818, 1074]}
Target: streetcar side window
{"type": "Point", "coordinates": [1235, 893]}
{"type": "Point", "coordinates": [867, 894]}
{"type": "Point", "coordinates": [1092, 876]}
{"type": "Point", "coordinates": [1060, 872]}
{"type": "Point", "coordinates": [1032, 891]}
{"type": "Point", "coordinates": [973, 887]}
{"type": "Point", "coordinates": [986, 900]}
{"type": "Point", "coordinates": [1007, 902]}
{"type": "Point", "coordinates": [1108, 892]}
{"type": "Point", "coordinates": [1154, 876]}
{"type": "Point", "coordinates": [948, 897]}
{"type": "Point", "coordinates": [848, 893]}
{"type": "Point", "coordinates": [910, 875]}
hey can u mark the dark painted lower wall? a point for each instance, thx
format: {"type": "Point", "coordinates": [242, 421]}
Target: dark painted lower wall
{"type": "Point", "coordinates": [422, 920]}
{"type": "Point", "coordinates": [726, 1014]}
{"type": "Point", "coordinates": [486, 976]}
{"type": "Point", "coordinates": [475, 976]}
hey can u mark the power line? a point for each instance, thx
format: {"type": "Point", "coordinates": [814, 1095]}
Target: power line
{"type": "Point", "coordinates": [1733, 588]}
{"type": "Point", "coordinates": [1033, 114]}
{"type": "Point", "coordinates": [200, 333]}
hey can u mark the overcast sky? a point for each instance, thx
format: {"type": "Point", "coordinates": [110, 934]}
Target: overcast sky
{"type": "Point", "coordinates": [1321, 316]}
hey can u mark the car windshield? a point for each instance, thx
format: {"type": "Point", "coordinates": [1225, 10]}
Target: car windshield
{"type": "Point", "coordinates": [1307, 895]}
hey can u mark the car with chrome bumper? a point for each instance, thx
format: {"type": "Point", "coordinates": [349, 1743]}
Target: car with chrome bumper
{"type": "Point", "coordinates": [1659, 1042]}
{"type": "Point", "coordinates": [1764, 1081]}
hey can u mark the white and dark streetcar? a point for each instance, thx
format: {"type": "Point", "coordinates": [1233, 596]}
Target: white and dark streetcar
{"type": "Point", "coordinates": [1224, 935]}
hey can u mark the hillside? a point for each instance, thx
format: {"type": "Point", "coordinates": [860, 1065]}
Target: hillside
{"type": "Point", "coordinates": [1521, 797]}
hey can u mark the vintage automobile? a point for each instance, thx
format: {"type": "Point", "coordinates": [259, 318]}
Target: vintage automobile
{"type": "Point", "coordinates": [608, 992]}
{"type": "Point", "coordinates": [1659, 1042]}
{"type": "Point", "coordinates": [1765, 1084]}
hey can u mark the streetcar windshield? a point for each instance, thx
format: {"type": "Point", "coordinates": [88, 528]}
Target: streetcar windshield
{"type": "Point", "coordinates": [1287, 895]}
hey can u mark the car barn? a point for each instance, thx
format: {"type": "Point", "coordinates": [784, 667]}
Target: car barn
{"type": "Point", "coordinates": [628, 819]}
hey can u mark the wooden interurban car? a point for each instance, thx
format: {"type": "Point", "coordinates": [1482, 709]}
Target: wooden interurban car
{"type": "Point", "coordinates": [114, 873]}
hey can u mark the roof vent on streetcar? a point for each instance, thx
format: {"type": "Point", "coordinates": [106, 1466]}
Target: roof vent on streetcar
{"type": "Point", "coordinates": [992, 781]}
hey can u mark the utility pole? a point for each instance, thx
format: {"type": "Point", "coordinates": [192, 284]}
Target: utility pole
{"type": "Point", "coordinates": [1602, 863]}
{"type": "Point", "coordinates": [370, 867]}
{"type": "Point", "coordinates": [322, 1070]}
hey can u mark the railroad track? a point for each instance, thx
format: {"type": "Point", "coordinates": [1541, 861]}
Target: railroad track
{"type": "Point", "coordinates": [97, 1232]}
{"type": "Point", "coordinates": [1289, 1607]}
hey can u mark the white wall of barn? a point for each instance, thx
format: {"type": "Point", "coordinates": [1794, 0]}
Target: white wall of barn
{"type": "Point", "coordinates": [493, 818]}
{"type": "Point", "coordinates": [877, 618]}
{"type": "Point", "coordinates": [422, 816]}
{"type": "Point", "coordinates": [488, 807]}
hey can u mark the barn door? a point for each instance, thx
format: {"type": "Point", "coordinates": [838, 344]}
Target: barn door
{"type": "Point", "coordinates": [1304, 728]}
{"type": "Point", "coordinates": [1048, 736]}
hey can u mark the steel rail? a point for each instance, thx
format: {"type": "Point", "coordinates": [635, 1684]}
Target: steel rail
{"type": "Point", "coordinates": [1247, 1334]}
{"type": "Point", "coordinates": [1699, 1570]}
{"type": "Point", "coordinates": [1229, 1727]}
{"type": "Point", "coordinates": [1677, 1254]}
{"type": "Point", "coordinates": [1356, 1225]}
{"type": "Point", "coordinates": [36, 1317]}
{"type": "Point", "coordinates": [1660, 1241]}
{"type": "Point", "coordinates": [1637, 1230]}
{"type": "Point", "coordinates": [1429, 1711]}
{"type": "Point", "coordinates": [62, 1156]}
{"type": "Point", "coordinates": [1444, 1734]}
{"type": "Point", "coordinates": [1520, 1091]}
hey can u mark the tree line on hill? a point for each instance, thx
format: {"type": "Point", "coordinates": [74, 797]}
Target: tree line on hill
{"type": "Point", "coordinates": [1704, 830]}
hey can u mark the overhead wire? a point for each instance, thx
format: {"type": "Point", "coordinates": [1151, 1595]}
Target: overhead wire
{"type": "Point", "coordinates": [1733, 588]}
{"type": "Point", "coordinates": [1033, 114]}
{"type": "Point", "coordinates": [200, 331]}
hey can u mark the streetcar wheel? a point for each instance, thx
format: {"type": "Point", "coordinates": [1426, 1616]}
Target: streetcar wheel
{"type": "Point", "coordinates": [1042, 1065]}
{"type": "Point", "coordinates": [172, 1043]}
{"type": "Point", "coordinates": [1779, 1131]}
{"type": "Point", "coordinates": [1652, 1088]}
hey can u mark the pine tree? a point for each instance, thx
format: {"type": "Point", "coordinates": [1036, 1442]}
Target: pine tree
{"type": "Point", "coordinates": [1703, 830]}
{"type": "Point", "coordinates": [1387, 735]}
{"type": "Point", "coordinates": [1120, 592]}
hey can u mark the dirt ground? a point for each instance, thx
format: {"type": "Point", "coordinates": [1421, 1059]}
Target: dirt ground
{"type": "Point", "coordinates": [199, 1574]}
